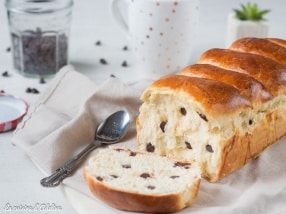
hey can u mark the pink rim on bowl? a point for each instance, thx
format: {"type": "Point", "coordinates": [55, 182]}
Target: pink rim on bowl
{"type": "Point", "coordinates": [12, 111]}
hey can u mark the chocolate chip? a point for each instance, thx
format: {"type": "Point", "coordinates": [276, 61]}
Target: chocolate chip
{"type": "Point", "coordinates": [99, 178]}
{"type": "Point", "coordinates": [174, 176]}
{"type": "Point", "coordinates": [162, 125]}
{"type": "Point", "coordinates": [35, 91]}
{"type": "Point", "coordinates": [145, 175]}
{"type": "Point", "coordinates": [8, 49]}
{"type": "Point", "coordinates": [203, 116]}
{"type": "Point", "coordinates": [112, 75]}
{"type": "Point", "coordinates": [133, 154]}
{"type": "Point", "coordinates": [103, 61]}
{"type": "Point", "coordinates": [188, 145]}
{"type": "Point", "coordinates": [209, 148]}
{"type": "Point", "coordinates": [125, 48]}
{"type": "Point", "coordinates": [119, 149]}
{"type": "Point", "coordinates": [250, 122]}
{"type": "Point", "coordinates": [5, 74]}
{"type": "Point", "coordinates": [32, 90]}
{"type": "Point", "coordinates": [28, 90]}
{"type": "Point", "coordinates": [150, 187]}
{"type": "Point", "coordinates": [124, 64]}
{"type": "Point", "coordinates": [98, 43]}
{"type": "Point", "coordinates": [183, 111]}
{"type": "Point", "coordinates": [182, 164]}
{"type": "Point", "coordinates": [126, 166]}
{"type": "Point", "coordinates": [42, 80]}
{"type": "Point", "coordinates": [2, 91]}
{"type": "Point", "coordinates": [114, 176]}
{"type": "Point", "coordinates": [150, 147]}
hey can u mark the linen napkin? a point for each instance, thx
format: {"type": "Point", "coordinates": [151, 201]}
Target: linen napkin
{"type": "Point", "coordinates": [64, 120]}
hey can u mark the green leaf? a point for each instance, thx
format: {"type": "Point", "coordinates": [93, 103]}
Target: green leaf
{"type": "Point", "coordinates": [250, 12]}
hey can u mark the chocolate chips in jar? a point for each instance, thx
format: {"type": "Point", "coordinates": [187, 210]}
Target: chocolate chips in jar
{"type": "Point", "coordinates": [39, 35]}
{"type": "Point", "coordinates": [37, 52]}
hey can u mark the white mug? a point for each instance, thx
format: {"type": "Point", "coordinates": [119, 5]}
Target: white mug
{"type": "Point", "coordinates": [161, 32]}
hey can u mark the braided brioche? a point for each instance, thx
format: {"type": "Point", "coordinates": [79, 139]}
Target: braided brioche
{"type": "Point", "coordinates": [222, 112]}
{"type": "Point", "coordinates": [210, 119]}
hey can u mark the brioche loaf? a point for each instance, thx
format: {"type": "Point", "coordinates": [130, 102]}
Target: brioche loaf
{"type": "Point", "coordinates": [143, 182]}
{"type": "Point", "coordinates": [220, 113]}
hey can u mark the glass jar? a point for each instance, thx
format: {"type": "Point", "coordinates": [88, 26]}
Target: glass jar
{"type": "Point", "coordinates": [39, 35]}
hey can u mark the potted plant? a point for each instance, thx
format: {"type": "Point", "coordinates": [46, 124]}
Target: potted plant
{"type": "Point", "coordinates": [248, 21]}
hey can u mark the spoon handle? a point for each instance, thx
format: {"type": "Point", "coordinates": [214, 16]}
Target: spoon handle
{"type": "Point", "coordinates": [64, 171]}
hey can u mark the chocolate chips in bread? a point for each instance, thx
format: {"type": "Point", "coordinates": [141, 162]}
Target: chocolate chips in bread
{"type": "Point", "coordinates": [234, 107]}
{"type": "Point", "coordinates": [143, 182]}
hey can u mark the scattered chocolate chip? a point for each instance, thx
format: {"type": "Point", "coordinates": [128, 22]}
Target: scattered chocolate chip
{"type": "Point", "coordinates": [28, 90]}
{"type": "Point", "coordinates": [8, 49]}
{"type": "Point", "coordinates": [35, 91]}
{"type": "Point", "coordinates": [133, 154]}
{"type": "Point", "coordinates": [145, 175]}
{"type": "Point", "coordinates": [150, 147]}
{"type": "Point", "coordinates": [119, 149]}
{"type": "Point", "coordinates": [103, 61]}
{"type": "Point", "coordinates": [162, 125]}
{"type": "Point", "coordinates": [2, 91]}
{"type": "Point", "coordinates": [250, 122]}
{"type": "Point", "coordinates": [188, 145]}
{"type": "Point", "coordinates": [32, 90]}
{"type": "Point", "coordinates": [174, 176]}
{"type": "Point", "coordinates": [126, 166]}
{"type": "Point", "coordinates": [203, 116]}
{"type": "Point", "coordinates": [42, 80]}
{"type": "Point", "coordinates": [98, 43]}
{"type": "Point", "coordinates": [182, 164]}
{"type": "Point", "coordinates": [183, 111]}
{"type": "Point", "coordinates": [150, 187]}
{"type": "Point", "coordinates": [112, 75]}
{"type": "Point", "coordinates": [5, 74]}
{"type": "Point", "coordinates": [125, 48]}
{"type": "Point", "coordinates": [124, 64]}
{"type": "Point", "coordinates": [99, 178]}
{"type": "Point", "coordinates": [209, 148]}
{"type": "Point", "coordinates": [114, 176]}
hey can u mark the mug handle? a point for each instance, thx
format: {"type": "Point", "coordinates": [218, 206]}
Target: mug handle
{"type": "Point", "coordinates": [117, 15]}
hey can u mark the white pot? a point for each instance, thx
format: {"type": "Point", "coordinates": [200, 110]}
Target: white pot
{"type": "Point", "coordinates": [237, 29]}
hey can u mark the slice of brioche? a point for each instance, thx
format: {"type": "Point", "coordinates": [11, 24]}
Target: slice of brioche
{"type": "Point", "coordinates": [142, 182]}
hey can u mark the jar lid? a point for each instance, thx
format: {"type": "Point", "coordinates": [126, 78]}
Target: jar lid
{"type": "Point", "coordinates": [38, 6]}
{"type": "Point", "coordinates": [12, 111]}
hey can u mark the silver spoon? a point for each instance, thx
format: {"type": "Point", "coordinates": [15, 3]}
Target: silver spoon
{"type": "Point", "coordinates": [109, 131]}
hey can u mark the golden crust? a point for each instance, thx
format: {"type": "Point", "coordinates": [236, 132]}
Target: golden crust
{"type": "Point", "coordinates": [135, 202]}
{"type": "Point", "coordinates": [250, 87]}
{"type": "Point", "coordinates": [216, 97]}
{"type": "Point", "coordinates": [277, 41]}
{"type": "Point", "coordinates": [271, 74]}
{"type": "Point", "coordinates": [242, 149]}
{"type": "Point", "coordinates": [261, 47]}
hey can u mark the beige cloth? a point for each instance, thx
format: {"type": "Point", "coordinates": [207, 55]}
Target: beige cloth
{"type": "Point", "coordinates": [63, 121]}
